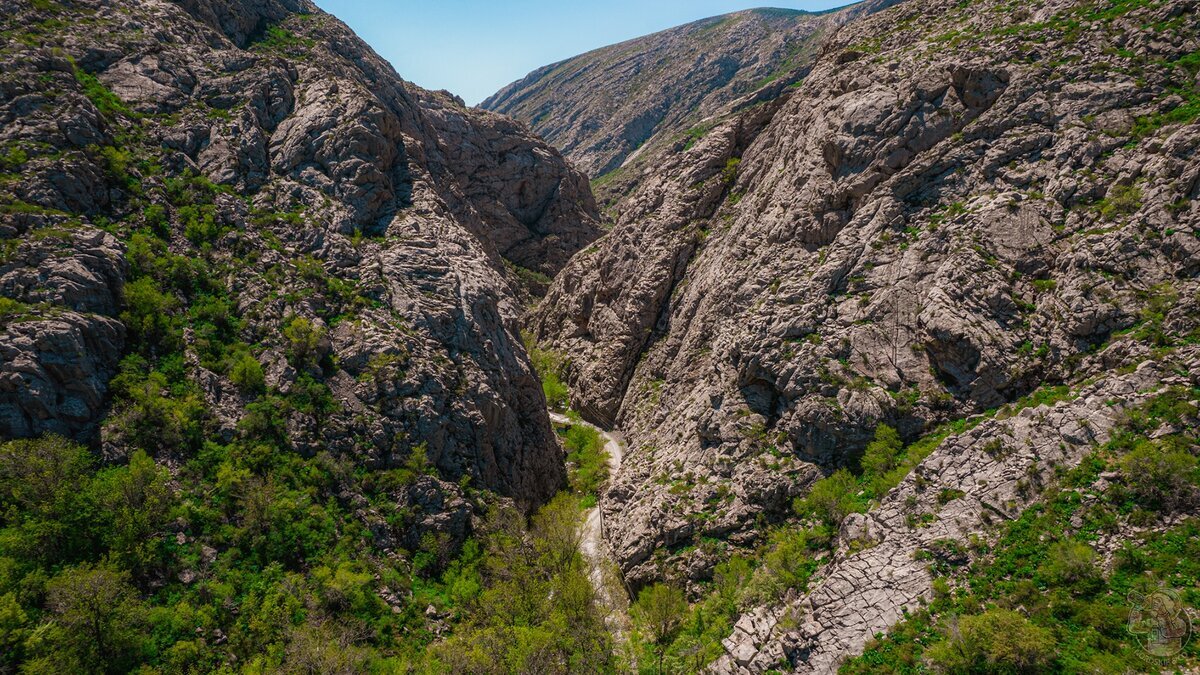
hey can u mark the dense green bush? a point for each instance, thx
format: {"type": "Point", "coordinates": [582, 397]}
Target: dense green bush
{"type": "Point", "coordinates": [1161, 475]}
{"type": "Point", "coordinates": [660, 611]}
{"type": "Point", "coordinates": [156, 411]}
{"type": "Point", "coordinates": [247, 373]}
{"type": "Point", "coordinates": [997, 641]}
{"type": "Point", "coordinates": [149, 317]}
{"type": "Point", "coordinates": [587, 458]}
{"type": "Point", "coordinates": [831, 498]}
{"type": "Point", "coordinates": [883, 453]}
{"type": "Point", "coordinates": [550, 367]}
{"type": "Point", "coordinates": [303, 339]}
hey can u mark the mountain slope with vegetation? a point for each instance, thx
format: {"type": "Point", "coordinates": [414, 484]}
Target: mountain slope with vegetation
{"type": "Point", "coordinates": [803, 319]}
{"type": "Point", "coordinates": [905, 357]}
{"type": "Point", "coordinates": [259, 347]}
{"type": "Point", "coordinates": [616, 110]}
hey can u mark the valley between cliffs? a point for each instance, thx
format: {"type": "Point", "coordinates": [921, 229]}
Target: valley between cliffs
{"type": "Point", "coordinates": [871, 344]}
{"type": "Point", "coordinates": [602, 569]}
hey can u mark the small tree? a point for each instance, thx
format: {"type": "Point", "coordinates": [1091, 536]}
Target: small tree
{"type": "Point", "coordinates": [1160, 476]}
{"type": "Point", "coordinates": [100, 615]}
{"type": "Point", "coordinates": [660, 609]}
{"type": "Point", "coordinates": [1071, 563]}
{"type": "Point", "coordinates": [247, 373]}
{"type": "Point", "coordinates": [303, 341]}
{"type": "Point", "coordinates": [557, 534]}
{"type": "Point", "coordinates": [883, 453]}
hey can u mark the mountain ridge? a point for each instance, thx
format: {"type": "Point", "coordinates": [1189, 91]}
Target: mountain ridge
{"type": "Point", "coordinates": [750, 45]}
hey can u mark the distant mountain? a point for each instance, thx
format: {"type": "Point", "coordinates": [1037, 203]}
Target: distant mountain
{"type": "Point", "coordinates": [637, 99]}
{"type": "Point", "coordinates": [600, 107]}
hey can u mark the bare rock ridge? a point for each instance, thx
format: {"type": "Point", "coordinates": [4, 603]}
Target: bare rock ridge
{"type": "Point", "coordinates": [600, 107]}
{"type": "Point", "coordinates": [639, 99]}
{"type": "Point", "coordinates": [366, 241]}
{"type": "Point", "coordinates": [959, 204]}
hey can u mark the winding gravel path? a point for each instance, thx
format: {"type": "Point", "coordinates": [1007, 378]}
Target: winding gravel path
{"type": "Point", "coordinates": [601, 569]}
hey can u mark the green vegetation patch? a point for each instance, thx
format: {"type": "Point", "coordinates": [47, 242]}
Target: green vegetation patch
{"type": "Point", "coordinates": [1040, 600]}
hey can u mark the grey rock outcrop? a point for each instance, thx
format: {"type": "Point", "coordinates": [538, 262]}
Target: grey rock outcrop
{"type": "Point", "coordinates": [600, 107]}
{"type": "Point", "coordinates": [618, 111]}
{"type": "Point", "coordinates": [61, 341]}
{"type": "Point", "coordinates": [947, 213]}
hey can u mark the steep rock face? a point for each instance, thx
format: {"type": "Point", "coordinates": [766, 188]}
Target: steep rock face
{"type": "Point", "coordinates": [368, 236]}
{"type": "Point", "coordinates": [62, 342]}
{"type": "Point", "coordinates": [956, 206]}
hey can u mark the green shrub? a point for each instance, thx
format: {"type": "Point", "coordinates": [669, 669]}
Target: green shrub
{"type": "Point", "coordinates": [997, 641]}
{"type": "Point", "coordinates": [729, 173]}
{"type": "Point", "coordinates": [831, 498]}
{"type": "Point", "coordinates": [96, 617]}
{"type": "Point", "coordinates": [149, 317]}
{"type": "Point", "coordinates": [659, 612]}
{"type": "Point", "coordinates": [787, 564]}
{"type": "Point", "coordinates": [1122, 200]}
{"type": "Point", "coordinates": [558, 397]}
{"type": "Point", "coordinates": [311, 397]}
{"type": "Point", "coordinates": [550, 366]}
{"type": "Point", "coordinates": [200, 225]}
{"type": "Point", "coordinates": [883, 453]}
{"type": "Point", "coordinates": [1161, 476]}
{"type": "Point", "coordinates": [117, 162]}
{"type": "Point", "coordinates": [303, 339]}
{"type": "Point", "coordinates": [247, 373]}
{"type": "Point", "coordinates": [155, 217]}
{"type": "Point", "coordinates": [108, 103]}
{"type": "Point", "coordinates": [585, 451]}
{"type": "Point", "coordinates": [278, 38]}
{"type": "Point", "coordinates": [153, 413]}
{"type": "Point", "coordinates": [11, 308]}
{"type": "Point", "coordinates": [12, 159]}
{"type": "Point", "coordinates": [135, 502]}
{"type": "Point", "coordinates": [264, 420]}
{"type": "Point", "coordinates": [1070, 563]}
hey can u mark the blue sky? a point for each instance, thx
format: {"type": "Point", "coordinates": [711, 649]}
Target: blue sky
{"type": "Point", "coordinates": [474, 47]}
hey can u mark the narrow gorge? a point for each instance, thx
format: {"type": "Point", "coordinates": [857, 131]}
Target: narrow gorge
{"type": "Point", "coordinates": [860, 340]}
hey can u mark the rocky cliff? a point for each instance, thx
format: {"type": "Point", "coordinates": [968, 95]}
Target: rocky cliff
{"type": "Point", "coordinates": [245, 213]}
{"type": "Point", "coordinates": [960, 204]}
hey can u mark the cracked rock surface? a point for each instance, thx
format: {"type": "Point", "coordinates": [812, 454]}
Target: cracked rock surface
{"type": "Point", "coordinates": [865, 592]}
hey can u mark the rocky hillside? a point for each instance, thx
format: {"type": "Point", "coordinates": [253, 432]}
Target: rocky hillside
{"type": "Point", "coordinates": [963, 207]}
{"type": "Point", "coordinates": [600, 107]}
{"type": "Point", "coordinates": [182, 181]}
{"type": "Point", "coordinates": [617, 111]}
{"type": "Point", "coordinates": [261, 373]}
